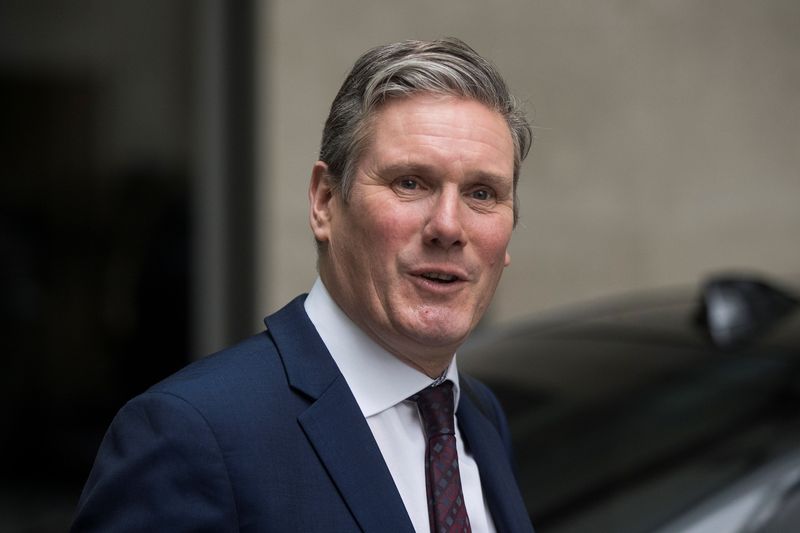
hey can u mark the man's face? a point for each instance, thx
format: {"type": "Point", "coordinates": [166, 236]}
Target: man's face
{"type": "Point", "coordinates": [415, 255]}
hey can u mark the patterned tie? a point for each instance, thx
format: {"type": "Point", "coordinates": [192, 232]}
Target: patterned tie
{"type": "Point", "coordinates": [446, 508]}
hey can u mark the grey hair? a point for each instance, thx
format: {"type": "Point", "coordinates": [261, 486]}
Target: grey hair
{"type": "Point", "coordinates": [445, 66]}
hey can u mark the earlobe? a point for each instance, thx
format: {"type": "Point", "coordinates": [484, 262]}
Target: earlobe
{"type": "Point", "coordinates": [320, 195]}
{"type": "Point", "coordinates": [508, 260]}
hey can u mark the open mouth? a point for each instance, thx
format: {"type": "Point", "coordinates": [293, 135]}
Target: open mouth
{"type": "Point", "coordinates": [437, 277]}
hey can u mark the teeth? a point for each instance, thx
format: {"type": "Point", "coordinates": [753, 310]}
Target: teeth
{"type": "Point", "coordinates": [440, 277]}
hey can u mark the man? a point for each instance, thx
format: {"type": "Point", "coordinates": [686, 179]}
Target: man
{"type": "Point", "coordinates": [327, 420]}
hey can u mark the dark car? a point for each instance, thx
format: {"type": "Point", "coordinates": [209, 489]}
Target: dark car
{"type": "Point", "coordinates": [667, 411]}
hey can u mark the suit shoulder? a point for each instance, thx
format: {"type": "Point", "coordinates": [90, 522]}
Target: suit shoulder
{"type": "Point", "coordinates": [245, 368]}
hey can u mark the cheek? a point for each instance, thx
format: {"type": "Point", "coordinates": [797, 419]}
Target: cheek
{"type": "Point", "coordinates": [494, 246]}
{"type": "Point", "coordinates": [370, 242]}
{"type": "Point", "coordinates": [391, 229]}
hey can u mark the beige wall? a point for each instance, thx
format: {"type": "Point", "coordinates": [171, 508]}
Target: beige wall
{"type": "Point", "coordinates": [668, 135]}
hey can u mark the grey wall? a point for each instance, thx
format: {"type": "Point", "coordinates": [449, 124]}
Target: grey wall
{"type": "Point", "coordinates": [668, 135]}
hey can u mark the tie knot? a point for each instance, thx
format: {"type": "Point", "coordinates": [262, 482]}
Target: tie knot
{"type": "Point", "coordinates": [436, 406]}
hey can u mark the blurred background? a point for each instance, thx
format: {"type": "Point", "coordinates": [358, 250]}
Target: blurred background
{"type": "Point", "coordinates": [155, 154]}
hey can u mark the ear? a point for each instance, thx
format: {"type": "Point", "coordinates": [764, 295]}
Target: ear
{"type": "Point", "coordinates": [508, 260]}
{"type": "Point", "coordinates": [320, 197]}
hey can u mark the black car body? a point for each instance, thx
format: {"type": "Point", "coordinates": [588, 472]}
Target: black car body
{"type": "Point", "coordinates": [640, 414]}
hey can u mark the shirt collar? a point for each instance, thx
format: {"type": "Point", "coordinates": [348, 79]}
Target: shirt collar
{"type": "Point", "coordinates": [378, 379]}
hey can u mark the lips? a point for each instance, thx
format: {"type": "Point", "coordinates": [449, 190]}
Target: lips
{"type": "Point", "coordinates": [440, 275]}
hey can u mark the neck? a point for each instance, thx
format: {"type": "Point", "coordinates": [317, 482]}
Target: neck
{"type": "Point", "coordinates": [432, 367]}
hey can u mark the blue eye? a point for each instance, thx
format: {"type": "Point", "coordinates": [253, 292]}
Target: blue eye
{"type": "Point", "coordinates": [408, 184]}
{"type": "Point", "coordinates": [481, 194]}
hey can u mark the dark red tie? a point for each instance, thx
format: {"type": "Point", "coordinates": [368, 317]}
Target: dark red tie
{"type": "Point", "coordinates": [446, 508]}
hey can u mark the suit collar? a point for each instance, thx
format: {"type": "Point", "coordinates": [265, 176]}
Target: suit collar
{"type": "Point", "coordinates": [335, 426]}
{"type": "Point", "coordinates": [309, 367]}
{"type": "Point", "coordinates": [362, 361]}
{"type": "Point", "coordinates": [497, 479]}
{"type": "Point", "coordinates": [344, 442]}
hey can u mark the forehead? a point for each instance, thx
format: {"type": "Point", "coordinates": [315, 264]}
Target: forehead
{"type": "Point", "coordinates": [428, 126]}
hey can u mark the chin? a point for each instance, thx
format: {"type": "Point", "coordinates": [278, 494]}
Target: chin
{"type": "Point", "coordinates": [440, 334]}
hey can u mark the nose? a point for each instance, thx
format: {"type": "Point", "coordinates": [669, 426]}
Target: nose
{"type": "Point", "coordinates": [444, 226]}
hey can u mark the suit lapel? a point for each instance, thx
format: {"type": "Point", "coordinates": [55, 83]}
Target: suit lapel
{"type": "Point", "coordinates": [344, 442]}
{"type": "Point", "coordinates": [335, 426]}
{"type": "Point", "coordinates": [497, 479]}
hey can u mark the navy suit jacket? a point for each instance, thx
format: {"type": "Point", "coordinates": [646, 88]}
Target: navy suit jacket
{"type": "Point", "coordinates": [266, 436]}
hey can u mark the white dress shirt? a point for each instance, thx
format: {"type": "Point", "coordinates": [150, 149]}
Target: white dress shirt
{"type": "Point", "coordinates": [381, 384]}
